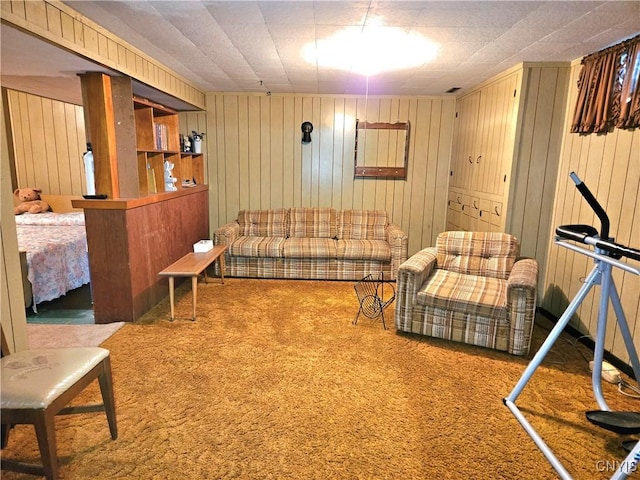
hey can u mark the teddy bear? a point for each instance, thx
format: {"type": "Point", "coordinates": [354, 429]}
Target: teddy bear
{"type": "Point", "coordinates": [28, 200]}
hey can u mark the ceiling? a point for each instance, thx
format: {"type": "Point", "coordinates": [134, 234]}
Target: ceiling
{"type": "Point", "coordinates": [254, 46]}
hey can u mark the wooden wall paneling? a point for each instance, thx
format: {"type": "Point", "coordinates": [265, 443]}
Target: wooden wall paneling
{"type": "Point", "coordinates": [326, 160]}
{"type": "Point", "coordinates": [620, 167]}
{"type": "Point", "coordinates": [359, 184]}
{"type": "Point", "coordinates": [423, 123]}
{"type": "Point", "coordinates": [318, 197]}
{"type": "Point", "coordinates": [337, 126]}
{"type": "Point", "coordinates": [556, 122]}
{"type": "Point", "coordinates": [297, 150]}
{"type": "Point", "coordinates": [275, 167]}
{"type": "Point", "coordinates": [405, 217]}
{"type": "Point", "coordinates": [254, 154]}
{"type": "Point", "coordinates": [590, 174]}
{"type": "Point", "coordinates": [348, 150]}
{"type": "Point", "coordinates": [38, 143]}
{"type": "Point", "coordinates": [444, 141]}
{"type": "Point", "coordinates": [306, 156]}
{"type": "Point", "coordinates": [265, 150]}
{"type": "Point", "coordinates": [231, 169]}
{"type": "Point", "coordinates": [49, 126]}
{"type": "Point", "coordinates": [525, 196]}
{"type": "Point", "coordinates": [50, 158]}
{"type": "Point", "coordinates": [69, 147]}
{"type": "Point", "coordinates": [289, 134]}
{"type": "Point", "coordinates": [399, 113]}
{"type": "Point", "coordinates": [215, 164]}
{"type": "Point", "coordinates": [429, 188]}
{"type": "Point", "coordinates": [244, 136]}
{"type": "Point", "coordinates": [20, 128]}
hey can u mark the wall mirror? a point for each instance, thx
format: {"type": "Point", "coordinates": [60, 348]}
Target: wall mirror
{"type": "Point", "coordinates": [382, 149]}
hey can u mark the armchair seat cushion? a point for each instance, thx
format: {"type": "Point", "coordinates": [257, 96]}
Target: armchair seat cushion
{"type": "Point", "coordinates": [309, 248]}
{"type": "Point", "coordinates": [364, 249]}
{"type": "Point", "coordinates": [469, 294]}
{"type": "Point", "coordinates": [262, 247]}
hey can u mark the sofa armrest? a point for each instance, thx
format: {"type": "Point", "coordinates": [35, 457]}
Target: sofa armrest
{"type": "Point", "coordinates": [411, 275]}
{"type": "Point", "coordinates": [399, 244]}
{"type": "Point", "coordinates": [226, 234]}
{"type": "Point", "coordinates": [521, 298]}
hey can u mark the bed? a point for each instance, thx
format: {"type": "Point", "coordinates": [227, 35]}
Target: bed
{"type": "Point", "coordinates": [55, 251]}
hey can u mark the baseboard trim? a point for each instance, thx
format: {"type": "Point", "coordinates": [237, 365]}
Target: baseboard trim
{"type": "Point", "coordinates": [590, 344]}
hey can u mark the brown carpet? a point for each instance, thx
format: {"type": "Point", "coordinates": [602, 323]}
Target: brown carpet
{"type": "Point", "coordinates": [273, 381]}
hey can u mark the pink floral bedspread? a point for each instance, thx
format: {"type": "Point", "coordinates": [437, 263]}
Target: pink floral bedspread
{"type": "Point", "coordinates": [57, 258]}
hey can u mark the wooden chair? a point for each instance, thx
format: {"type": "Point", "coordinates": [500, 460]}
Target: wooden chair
{"type": "Point", "coordinates": [37, 385]}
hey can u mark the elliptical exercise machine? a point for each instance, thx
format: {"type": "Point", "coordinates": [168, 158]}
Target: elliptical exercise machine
{"type": "Point", "coordinates": [606, 255]}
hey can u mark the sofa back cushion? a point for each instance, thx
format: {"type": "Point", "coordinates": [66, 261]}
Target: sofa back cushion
{"type": "Point", "coordinates": [362, 225]}
{"type": "Point", "coordinates": [263, 223]}
{"type": "Point", "coordinates": [477, 253]}
{"type": "Point", "coordinates": [312, 222]}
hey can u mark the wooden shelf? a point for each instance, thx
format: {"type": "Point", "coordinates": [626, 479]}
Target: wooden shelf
{"type": "Point", "coordinates": [158, 141]}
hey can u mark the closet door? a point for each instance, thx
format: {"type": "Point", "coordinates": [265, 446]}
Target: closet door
{"type": "Point", "coordinates": [465, 141]}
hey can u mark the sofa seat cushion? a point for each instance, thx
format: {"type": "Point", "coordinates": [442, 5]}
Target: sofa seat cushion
{"type": "Point", "coordinates": [263, 247]}
{"type": "Point", "coordinates": [364, 250]}
{"type": "Point", "coordinates": [310, 248]}
{"type": "Point", "coordinates": [470, 294]}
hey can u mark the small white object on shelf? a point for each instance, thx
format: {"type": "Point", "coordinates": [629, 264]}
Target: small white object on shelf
{"type": "Point", "coordinates": [203, 246]}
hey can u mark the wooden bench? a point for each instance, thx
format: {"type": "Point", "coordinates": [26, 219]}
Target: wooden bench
{"type": "Point", "coordinates": [192, 265]}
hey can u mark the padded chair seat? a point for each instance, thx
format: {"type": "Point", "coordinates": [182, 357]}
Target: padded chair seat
{"type": "Point", "coordinates": [470, 294]}
{"type": "Point", "coordinates": [33, 379]}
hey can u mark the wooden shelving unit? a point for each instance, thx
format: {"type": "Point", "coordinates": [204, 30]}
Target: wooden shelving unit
{"type": "Point", "coordinates": [157, 141]}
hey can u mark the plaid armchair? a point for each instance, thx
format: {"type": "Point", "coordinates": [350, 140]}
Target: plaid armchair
{"type": "Point", "coordinates": [471, 288]}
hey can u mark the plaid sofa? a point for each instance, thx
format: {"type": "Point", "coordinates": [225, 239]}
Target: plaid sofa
{"type": "Point", "coordinates": [472, 288]}
{"type": "Point", "coordinates": [312, 243]}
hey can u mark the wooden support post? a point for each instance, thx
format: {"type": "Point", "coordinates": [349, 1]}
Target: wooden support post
{"type": "Point", "coordinates": [100, 128]}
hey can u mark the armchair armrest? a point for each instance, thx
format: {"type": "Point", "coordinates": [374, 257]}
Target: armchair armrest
{"type": "Point", "coordinates": [521, 298]}
{"type": "Point", "coordinates": [226, 234]}
{"type": "Point", "coordinates": [399, 244]}
{"type": "Point", "coordinates": [411, 275]}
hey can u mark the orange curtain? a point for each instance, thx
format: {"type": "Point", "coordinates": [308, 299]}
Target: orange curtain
{"type": "Point", "coordinates": [608, 90]}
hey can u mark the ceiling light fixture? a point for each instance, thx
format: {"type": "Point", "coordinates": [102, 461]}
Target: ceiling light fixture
{"type": "Point", "coordinates": [371, 50]}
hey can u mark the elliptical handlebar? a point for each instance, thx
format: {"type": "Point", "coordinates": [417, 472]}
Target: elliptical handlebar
{"type": "Point", "coordinates": [589, 235]}
{"type": "Point", "coordinates": [594, 204]}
